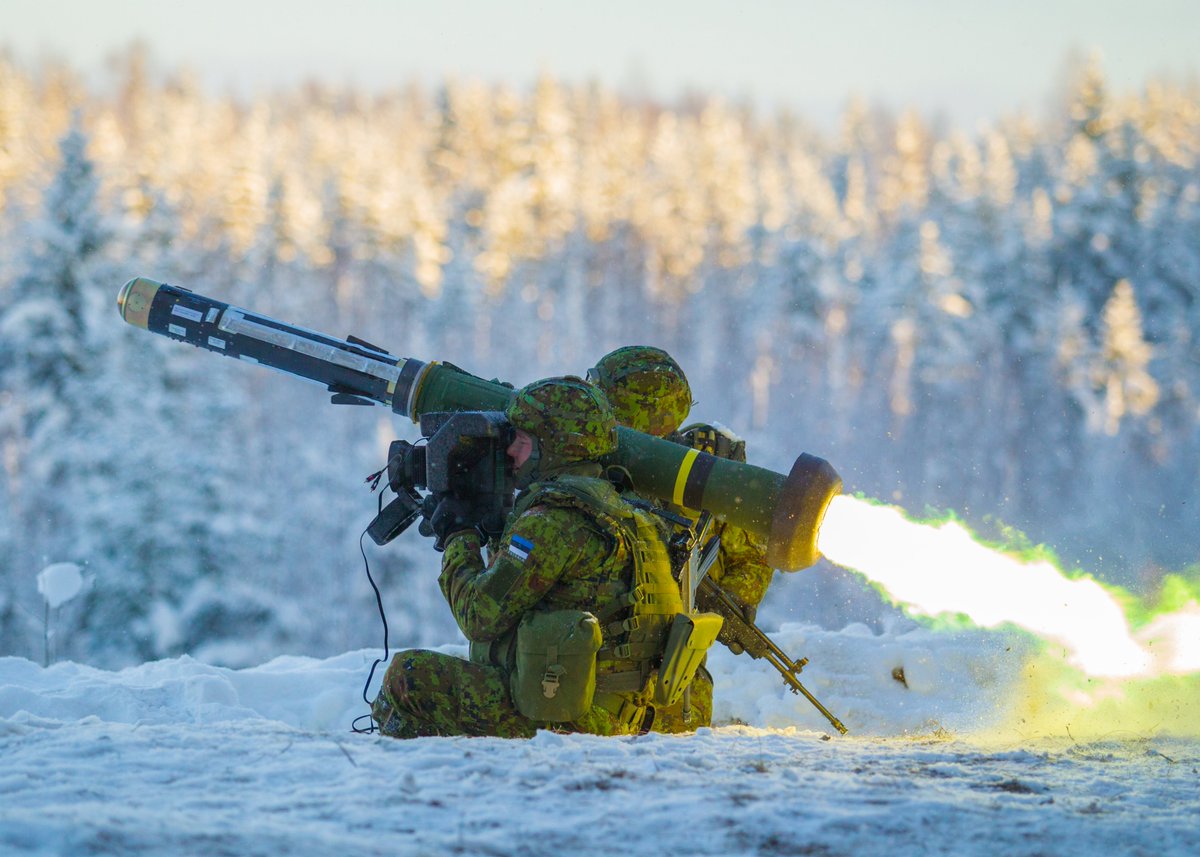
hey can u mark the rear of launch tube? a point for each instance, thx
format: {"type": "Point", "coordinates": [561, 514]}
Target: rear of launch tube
{"type": "Point", "coordinates": [787, 511]}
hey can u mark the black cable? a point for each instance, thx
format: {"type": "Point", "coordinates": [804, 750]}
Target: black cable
{"type": "Point", "coordinates": [383, 618]}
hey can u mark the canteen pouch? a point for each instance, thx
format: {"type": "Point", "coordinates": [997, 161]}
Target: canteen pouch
{"type": "Point", "coordinates": [555, 674]}
{"type": "Point", "coordinates": [688, 641]}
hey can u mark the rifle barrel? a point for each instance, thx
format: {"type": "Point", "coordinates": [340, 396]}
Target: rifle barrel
{"type": "Point", "coordinates": [797, 687]}
{"type": "Point", "coordinates": [773, 655]}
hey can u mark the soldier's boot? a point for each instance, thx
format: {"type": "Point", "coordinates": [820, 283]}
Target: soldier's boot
{"type": "Point", "coordinates": [384, 715]}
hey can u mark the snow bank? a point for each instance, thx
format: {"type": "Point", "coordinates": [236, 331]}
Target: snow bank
{"type": "Point", "coordinates": [303, 693]}
{"type": "Point", "coordinates": [179, 757]}
{"type": "Point", "coordinates": [917, 681]}
{"type": "Point", "coordinates": [950, 681]}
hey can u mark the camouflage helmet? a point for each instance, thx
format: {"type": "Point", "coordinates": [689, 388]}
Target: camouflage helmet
{"type": "Point", "coordinates": [648, 390]}
{"type": "Point", "coordinates": [570, 419]}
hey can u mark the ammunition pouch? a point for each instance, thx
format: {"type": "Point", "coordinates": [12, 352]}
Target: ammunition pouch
{"type": "Point", "coordinates": [688, 641]}
{"type": "Point", "coordinates": [554, 678]}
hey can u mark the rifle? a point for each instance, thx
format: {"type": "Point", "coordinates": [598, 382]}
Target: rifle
{"type": "Point", "coordinates": [694, 563]}
{"type": "Point", "coordinates": [712, 598]}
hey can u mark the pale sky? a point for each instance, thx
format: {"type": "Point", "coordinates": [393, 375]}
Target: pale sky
{"type": "Point", "coordinates": [966, 59]}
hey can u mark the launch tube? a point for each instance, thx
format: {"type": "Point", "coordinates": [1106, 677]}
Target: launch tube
{"type": "Point", "coordinates": [785, 510]}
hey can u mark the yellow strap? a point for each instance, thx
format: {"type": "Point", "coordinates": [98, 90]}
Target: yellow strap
{"type": "Point", "coordinates": [682, 476]}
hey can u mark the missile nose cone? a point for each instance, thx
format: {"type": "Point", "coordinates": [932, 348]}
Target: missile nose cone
{"type": "Point", "coordinates": [122, 295]}
{"type": "Point", "coordinates": [134, 299]}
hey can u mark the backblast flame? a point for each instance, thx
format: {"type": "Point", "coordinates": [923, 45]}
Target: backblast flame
{"type": "Point", "coordinates": [940, 569]}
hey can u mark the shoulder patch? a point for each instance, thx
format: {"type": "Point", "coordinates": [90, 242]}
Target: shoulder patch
{"type": "Point", "coordinates": [519, 548]}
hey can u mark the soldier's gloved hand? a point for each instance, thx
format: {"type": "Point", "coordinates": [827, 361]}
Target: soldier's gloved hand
{"type": "Point", "coordinates": [449, 518]}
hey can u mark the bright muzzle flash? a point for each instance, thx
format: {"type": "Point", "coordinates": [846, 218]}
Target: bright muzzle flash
{"type": "Point", "coordinates": [939, 569]}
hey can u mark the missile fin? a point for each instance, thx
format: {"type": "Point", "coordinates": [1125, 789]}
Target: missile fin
{"type": "Point", "coordinates": [342, 396]}
{"type": "Point", "coordinates": [359, 341]}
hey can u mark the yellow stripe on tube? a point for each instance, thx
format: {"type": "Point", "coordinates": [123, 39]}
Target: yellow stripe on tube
{"type": "Point", "coordinates": [685, 468]}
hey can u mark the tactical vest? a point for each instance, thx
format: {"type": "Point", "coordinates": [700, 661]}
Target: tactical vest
{"type": "Point", "coordinates": [636, 618]}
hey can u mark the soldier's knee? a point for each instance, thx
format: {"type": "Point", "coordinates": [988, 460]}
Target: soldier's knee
{"type": "Point", "coordinates": [400, 709]}
{"type": "Point", "coordinates": [406, 675]}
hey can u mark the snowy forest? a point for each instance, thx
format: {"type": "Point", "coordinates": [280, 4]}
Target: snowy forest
{"type": "Point", "coordinates": [1000, 322]}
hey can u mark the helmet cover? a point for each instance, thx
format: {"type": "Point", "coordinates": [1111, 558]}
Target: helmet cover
{"type": "Point", "coordinates": [570, 419]}
{"type": "Point", "coordinates": [646, 387]}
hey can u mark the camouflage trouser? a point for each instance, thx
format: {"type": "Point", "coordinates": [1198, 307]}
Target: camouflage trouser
{"type": "Point", "coordinates": [429, 693]}
{"type": "Point", "coordinates": [672, 720]}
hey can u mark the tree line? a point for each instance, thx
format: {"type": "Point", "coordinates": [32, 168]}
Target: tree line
{"type": "Point", "coordinates": [1002, 323]}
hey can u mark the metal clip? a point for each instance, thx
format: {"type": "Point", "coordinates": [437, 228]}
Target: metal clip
{"type": "Point", "coordinates": [550, 681]}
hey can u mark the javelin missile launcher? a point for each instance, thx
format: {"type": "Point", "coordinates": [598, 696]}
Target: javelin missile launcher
{"type": "Point", "coordinates": [785, 510]}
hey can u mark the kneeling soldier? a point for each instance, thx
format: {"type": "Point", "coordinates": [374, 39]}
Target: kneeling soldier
{"type": "Point", "coordinates": [568, 621]}
{"type": "Point", "coordinates": [649, 392]}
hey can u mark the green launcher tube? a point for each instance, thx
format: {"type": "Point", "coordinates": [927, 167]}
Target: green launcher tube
{"type": "Point", "coordinates": [785, 510]}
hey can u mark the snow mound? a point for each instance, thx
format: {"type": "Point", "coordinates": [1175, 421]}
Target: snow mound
{"type": "Point", "coordinates": [914, 682]}
{"type": "Point", "coordinates": [180, 757]}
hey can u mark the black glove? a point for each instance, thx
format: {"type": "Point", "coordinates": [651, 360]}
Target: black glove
{"type": "Point", "coordinates": [449, 517]}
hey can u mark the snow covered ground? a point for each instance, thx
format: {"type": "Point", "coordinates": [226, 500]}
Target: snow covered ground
{"type": "Point", "coordinates": [178, 757]}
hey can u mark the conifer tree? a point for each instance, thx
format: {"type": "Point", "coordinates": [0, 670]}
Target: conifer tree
{"type": "Point", "coordinates": [55, 402]}
{"type": "Point", "coordinates": [958, 291]}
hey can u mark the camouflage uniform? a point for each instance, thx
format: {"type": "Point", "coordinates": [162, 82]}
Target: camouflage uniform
{"type": "Point", "coordinates": [741, 565]}
{"type": "Point", "coordinates": [556, 553]}
{"type": "Point", "coordinates": [649, 392]}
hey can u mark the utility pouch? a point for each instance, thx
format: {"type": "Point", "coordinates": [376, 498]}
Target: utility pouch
{"type": "Point", "coordinates": [687, 642]}
{"type": "Point", "coordinates": [555, 675]}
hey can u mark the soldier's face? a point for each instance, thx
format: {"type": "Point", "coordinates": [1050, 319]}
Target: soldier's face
{"type": "Point", "coordinates": [520, 449]}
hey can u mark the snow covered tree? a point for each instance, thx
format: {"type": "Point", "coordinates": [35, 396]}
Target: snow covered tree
{"type": "Point", "coordinates": [53, 353]}
{"type": "Point", "coordinates": [938, 314]}
{"type": "Point", "coordinates": [1128, 390]}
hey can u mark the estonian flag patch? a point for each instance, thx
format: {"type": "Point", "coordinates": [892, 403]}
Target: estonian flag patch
{"type": "Point", "coordinates": [520, 547]}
